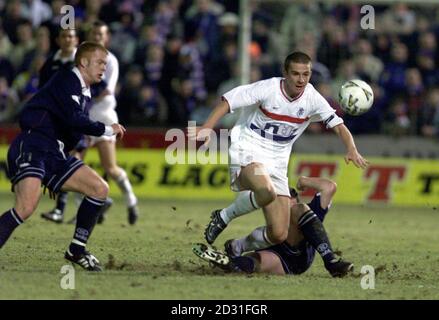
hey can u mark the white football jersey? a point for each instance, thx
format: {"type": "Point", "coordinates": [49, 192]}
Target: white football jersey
{"type": "Point", "coordinates": [272, 119]}
{"type": "Point", "coordinates": [111, 75]}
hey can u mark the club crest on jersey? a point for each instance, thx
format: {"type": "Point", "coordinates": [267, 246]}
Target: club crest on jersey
{"type": "Point", "coordinates": [300, 112]}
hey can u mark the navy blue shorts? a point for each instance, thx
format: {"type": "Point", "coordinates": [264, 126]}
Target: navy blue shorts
{"type": "Point", "coordinates": [28, 156]}
{"type": "Point", "coordinates": [295, 259]}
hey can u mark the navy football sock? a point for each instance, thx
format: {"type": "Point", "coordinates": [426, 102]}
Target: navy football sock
{"type": "Point", "coordinates": [244, 263]}
{"type": "Point", "coordinates": [314, 232]}
{"type": "Point", "coordinates": [8, 222]}
{"type": "Point", "coordinates": [85, 222]}
{"type": "Point", "coordinates": [61, 201]}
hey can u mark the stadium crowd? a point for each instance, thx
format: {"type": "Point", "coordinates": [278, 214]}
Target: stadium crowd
{"type": "Point", "coordinates": [178, 56]}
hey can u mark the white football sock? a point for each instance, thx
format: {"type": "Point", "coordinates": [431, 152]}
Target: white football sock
{"type": "Point", "coordinates": [244, 203]}
{"type": "Point", "coordinates": [256, 240]}
{"type": "Point", "coordinates": [125, 186]}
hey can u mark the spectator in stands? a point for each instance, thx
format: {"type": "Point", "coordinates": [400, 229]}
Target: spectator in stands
{"type": "Point", "coordinates": [42, 48]}
{"type": "Point", "coordinates": [151, 105]}
{"type": "Point", "coordinates": [8, 101]}
{"type": "Point", "coordinates": [304, 17]}
{"type": "Point", "coordinates": [229, 27]}
{"type": "Point", "coordinates": [430, 114]}
{"type": "Point", "coordinates": [26, 82]}
{"type": "Point", "coordinates": [201, 27]}
{"type": "Point", "coordinates": [37, 11]}
{"type": "Point", "coordinates": [179, 40]}
{"type": "Point", "coordinates": [334, 46]}
{"type": "Point", "coordinates": [270, 46]}
{"type": "Point", "coordinates": [368, 66]}
{"type": "Point", "coordinates": [6, 68]}
{"type": "Point", "coordinates": [426, 56]}
{"type": "Point", "coordinates": [148, 36]}
{"type": "Point", "coordinates": [55, 21]}
{"type": "Point", "coordinates": [393, 77]}
{"type": "Point", "coordinates": [123, 31]}
{"type": "Point", "coordinates": [166, 19]}
{"type": "Point", "coordinates": [397, 19]}
{"type": "Point", "coordinates": [414, 96]}
{"type": "Point", "coordinates": [397, 120]}
{"type": "Point", "coordinates": [191, 67]}
{"type": "Point", "coordinates": [12, 17]}
{"type": "Point", "coordinates": [5, 43]}
{"type": "Point", "coordinates": [25, 44]}
{"type": "Point", "coordinates": [153, 65]}
{"type": "Point", "coordinates": [183, 103]}
{"type": "Point", "coordinates": [128, 99]}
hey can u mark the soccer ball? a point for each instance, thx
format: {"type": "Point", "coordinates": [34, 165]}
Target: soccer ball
{"type": "Point", "coordinates": [355, 97]}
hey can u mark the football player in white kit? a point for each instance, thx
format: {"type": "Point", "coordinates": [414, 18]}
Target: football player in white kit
{"type": "Point", "coordinates": [274, 113]}
{"type": "Point", "coordinates": [103, 110]}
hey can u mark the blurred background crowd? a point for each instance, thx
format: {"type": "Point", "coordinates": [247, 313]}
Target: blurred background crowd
{"type": "Point", "coordinates": [177, 56]}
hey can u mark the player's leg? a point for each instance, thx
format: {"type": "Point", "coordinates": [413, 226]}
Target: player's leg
{"type": "Point", "coordinates": [305, 225]}
{"type": "Point", "coordinates": [57, 214]}
{"type": "Point", "coordinates": [27, 194]}
{"type": "Point", "coordinates": [86, 181]}
{"type": "Point", "coordinates": [263, 261]}
{"type": "Point", "coordinates": [258, 191]}
{"type": "Point", "coordinates": [275, 231]}
{"type": "Point", "coordinates": [107, 155]}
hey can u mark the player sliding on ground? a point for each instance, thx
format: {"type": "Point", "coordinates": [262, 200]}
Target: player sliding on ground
{"type": "Point", "coordinates": [306, 234]}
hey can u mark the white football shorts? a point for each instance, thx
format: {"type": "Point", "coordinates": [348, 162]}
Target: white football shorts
{"type": "Point", "coordinates": [245, 151]}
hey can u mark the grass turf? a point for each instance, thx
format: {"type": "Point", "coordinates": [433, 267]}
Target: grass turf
{"type": "Point", "coordinates": [153, 259]}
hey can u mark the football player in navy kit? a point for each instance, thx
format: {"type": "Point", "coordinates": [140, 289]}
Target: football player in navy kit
{"type": "Point", "coordinates": [52, 122]}
{"type": "Point", "coordinates": [296, 254]}
{"type": "Point", "coordinates": [64, 59]}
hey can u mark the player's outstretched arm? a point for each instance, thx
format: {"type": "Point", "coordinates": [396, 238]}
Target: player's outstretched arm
{"type": "Point", "coordinates": [326, 187]}
{"type": "Point", "coordinates": [352, 153]}
{"type": "Point", "coordinates": [203, 132]}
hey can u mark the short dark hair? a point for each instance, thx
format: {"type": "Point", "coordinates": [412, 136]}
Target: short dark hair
{"type": "Point", "coordinates": [297, 57]}
{"type": "Point", "coordinates": [87, 47]}
{"type": "Point", "coordinates": [99, 23]}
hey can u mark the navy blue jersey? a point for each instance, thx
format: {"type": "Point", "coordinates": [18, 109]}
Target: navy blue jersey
{"type": "Point", "coordinates": [57, 112]}
{"type": "Point", "coordinates": [52, 65]}
{"type": "Point", "coordinates": [98, 88]}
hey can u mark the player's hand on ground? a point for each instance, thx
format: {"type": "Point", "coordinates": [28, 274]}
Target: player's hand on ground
{"type": "Point", "coordinates": [356, 158]}
{"type": "Point", "coordinates": [118, 130]}
{"type": "Point", "coordinates": [199, 134]}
